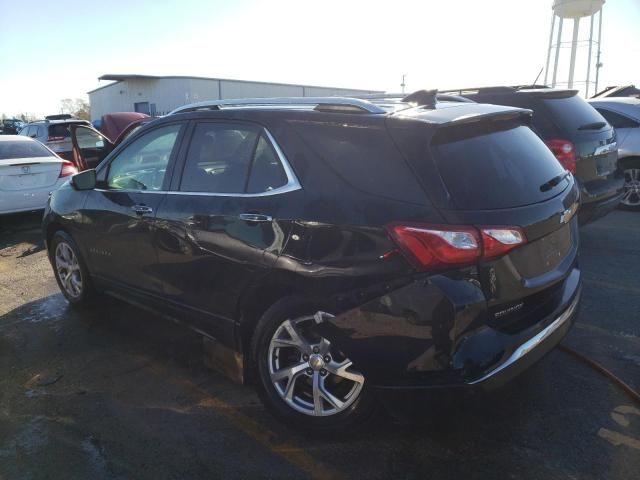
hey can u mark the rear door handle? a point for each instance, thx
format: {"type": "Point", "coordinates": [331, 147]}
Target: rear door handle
{"type": "Point", "coordinates": [255, 217]}
{"type": "Point", "coordinates": [142, 209]}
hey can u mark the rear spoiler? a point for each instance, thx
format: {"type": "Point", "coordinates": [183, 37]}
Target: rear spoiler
{"type": "Point", "coordinates": [467, 113]}
{"type": "Point", "coordinates": [537, 90]}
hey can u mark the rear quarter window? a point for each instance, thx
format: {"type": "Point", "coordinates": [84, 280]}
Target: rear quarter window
{"type": "Point", "coordinates": [364, 156]}
{"type": "Point", "coordinates": [501, 169]}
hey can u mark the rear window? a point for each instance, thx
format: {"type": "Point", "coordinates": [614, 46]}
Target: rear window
{"type": "Point", "coordinates": [500, 169]}
{"type": "Point", "coordinates": [22, 149]}
{"type": "Point", "coordinates": [571, 113]}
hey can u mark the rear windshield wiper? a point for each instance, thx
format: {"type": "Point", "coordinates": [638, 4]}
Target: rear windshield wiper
{"type": "Point", "coordinates": [592, 126]}
{"type": "Point", "coordinates": [545, 187]}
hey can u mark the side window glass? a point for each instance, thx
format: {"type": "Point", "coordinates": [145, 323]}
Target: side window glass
{"type": "Point", "coordinates": [616, 120]}
{"type": "Point", "coordinates": [266, 171]}
{"type": "Point", "coordinates": [88, 139]}
{"type": "Point", "coordinates": [219, 158]}
{"type": "Point", "coordinates": [142, 165]}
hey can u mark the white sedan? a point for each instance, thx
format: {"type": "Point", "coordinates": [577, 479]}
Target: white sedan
{"type": "Point", "coordinates": [28, 172]}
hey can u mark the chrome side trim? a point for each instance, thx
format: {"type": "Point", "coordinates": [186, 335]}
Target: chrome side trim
{"type": "Point", "coordinates": [533, 342]}
{"type": "Point", "coordinates": [356, 103]}
{"type": "Point", "coordinates": [292, 181]}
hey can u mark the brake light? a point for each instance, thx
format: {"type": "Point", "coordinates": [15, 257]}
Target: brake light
{"type": "Point", "coordinates": [68, 168]}
{"type": "Point", "coordinates": [432, 247]}
{"type": "Point", "coordinates": [54, 139]}
{"type": "Point", "coordinates": [565, 152]}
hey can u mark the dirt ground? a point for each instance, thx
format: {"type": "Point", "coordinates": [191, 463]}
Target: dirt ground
{"type": "Point", "coordinates": [118, 393]}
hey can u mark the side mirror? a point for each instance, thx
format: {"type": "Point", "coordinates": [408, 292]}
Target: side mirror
{"type": "Point", "coordinates": [85, 180]}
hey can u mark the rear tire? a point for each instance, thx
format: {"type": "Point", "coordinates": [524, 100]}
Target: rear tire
{"type": "Point", "coordinates": [631, 198]}
{"type": "Point", "coordinates": [302, 379]}
{"type": "Point", "coordinates": [71, 271]}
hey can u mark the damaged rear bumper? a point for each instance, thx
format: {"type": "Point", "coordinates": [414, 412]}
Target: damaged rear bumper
{"type": "Point", "coordinates": [435, 333]}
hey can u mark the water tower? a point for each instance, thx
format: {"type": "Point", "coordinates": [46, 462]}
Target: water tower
{"type": "Point", "coordinates": [575, 10]}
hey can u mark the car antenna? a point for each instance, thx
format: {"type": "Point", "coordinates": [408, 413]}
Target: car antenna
{"type": "Point", "coordinates": [539, 73]}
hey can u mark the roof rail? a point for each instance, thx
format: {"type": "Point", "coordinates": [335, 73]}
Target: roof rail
{"type": "Point", "coordinates": [325, 104]}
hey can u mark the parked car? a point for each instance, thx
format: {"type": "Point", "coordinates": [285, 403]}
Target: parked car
{"type": "Point", "coordinates": [580, 138]}
{"type": "Point", "coordinates": [11, 126]}
{"type": "Point", "coordinates": [624, 115]}
{"type": "Point", "coordinates": [331, 250]}
{"type": "Point", "coordinates": [618, 91]}
{"type": "Point", "coordinates": [29, 171]}
{"type": "Point", "coordinates": [54, 132]}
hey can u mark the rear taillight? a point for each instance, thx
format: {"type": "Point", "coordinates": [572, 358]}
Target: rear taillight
{"type": "Point", "coordinates": [54, 139]}
{"type": "Point", "coordinates": [433, 247]}
{"type": "Point", "coordinates": [67, 169]}
{"type": "Point", "coordinates": [497, 241]}
{"type": "Point", "coordinates": [564, 151]}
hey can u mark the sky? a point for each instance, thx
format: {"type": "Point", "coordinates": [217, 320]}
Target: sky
{"type": "Point", "coordinates": [55, 50]}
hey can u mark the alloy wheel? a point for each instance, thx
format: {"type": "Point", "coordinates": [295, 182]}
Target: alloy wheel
{"type": "Point", "coordinates": [68, 270]}
{"type": "Point", "coordinates": [631, 197]}
{"type": "Point", "coordinates": [310, 376]}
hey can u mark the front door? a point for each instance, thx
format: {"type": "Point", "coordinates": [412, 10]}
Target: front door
{"type": "Point", "coordinates": [119, 214]}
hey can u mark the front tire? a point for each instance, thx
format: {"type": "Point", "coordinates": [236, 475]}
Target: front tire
{"type": "Point", "coordinates": [70, 271]}
{"type": "Point", "coordinates": [303, 380]}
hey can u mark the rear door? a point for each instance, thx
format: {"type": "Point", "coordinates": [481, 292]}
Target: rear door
{"type": "Point", "coordinates": [90, 147]}
{"type": "Point", "coordinates": [57, 137]}
{"type": "Point", "coordinates": [118, 216]}
{"type": "Point", "coordinates": [225, 221]}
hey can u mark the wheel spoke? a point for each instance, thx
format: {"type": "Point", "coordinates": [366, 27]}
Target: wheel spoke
{"type": "Point", "coordinates": [340, 370]}
{"type": "Point", "coordinates": [317, 395]}
{"type": "Point", "coordinates": [288, 372]}
{"type": "Point", "coordinates": [295, 339]}
{"type": "Point", "coordinates": [328, 396]}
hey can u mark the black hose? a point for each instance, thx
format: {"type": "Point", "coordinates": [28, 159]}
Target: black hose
{"type": "Point", "coordinates": [606, 373]}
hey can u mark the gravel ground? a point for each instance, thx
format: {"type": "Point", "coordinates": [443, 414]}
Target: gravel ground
{"type": "Point", "coordinates": [118, 393]}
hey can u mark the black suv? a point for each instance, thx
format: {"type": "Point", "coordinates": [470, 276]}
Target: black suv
{"type": "Point", "coordinates": [579, 137]}
{"type": "Point", "coordinates": [332, 249]}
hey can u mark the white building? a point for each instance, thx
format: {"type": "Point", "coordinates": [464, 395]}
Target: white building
{"type": "Point", "coordinates": [159, 95]}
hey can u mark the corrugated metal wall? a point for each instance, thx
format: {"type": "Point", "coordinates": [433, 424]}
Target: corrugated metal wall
{"type": "Point", "coordinates": [171, 92]}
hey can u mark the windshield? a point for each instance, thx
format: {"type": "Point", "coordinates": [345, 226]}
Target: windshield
{"type": "Point", "coordinates": [498, 170]}
{"type": "Point", "coordinates": [23, 149]}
